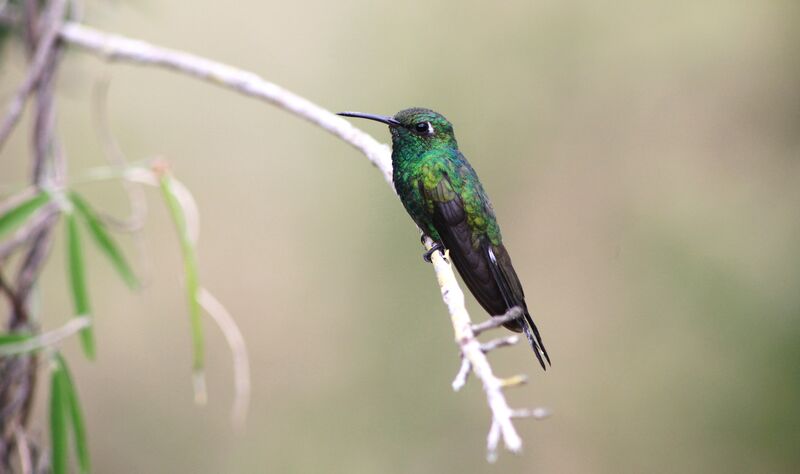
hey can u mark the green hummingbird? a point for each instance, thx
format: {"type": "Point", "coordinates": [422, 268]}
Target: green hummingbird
{"type": "Point", "coordinates": [444, 196]}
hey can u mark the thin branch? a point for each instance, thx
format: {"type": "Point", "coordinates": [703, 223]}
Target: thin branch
{"type": "Point", "coordinates": [470, 347]}
{"type": "Point", "coordinates": [41, 219]}
{"type": "Point", "coordinates": [31, 266]}
{"type": "Point", "coordinates": [118, 48]}
{"type": "Point", "coordinates": [462, 375]}
{"type": "Point", "coordinates": [497, 321]}
{"type": "Point", "coordinates": [499, 342]}
{"type": "Point", "coordinates": [17, 306]}
{"type": "Point", "coordinates": [17, 199]}
{"type": "Point", "coordinates": [41, 61]}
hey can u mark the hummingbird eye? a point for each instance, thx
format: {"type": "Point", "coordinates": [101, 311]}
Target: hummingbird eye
{"type": "Point", "coordinates": [424, 128]}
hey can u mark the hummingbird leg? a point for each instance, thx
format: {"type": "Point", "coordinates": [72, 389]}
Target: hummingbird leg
{"type": "Point", "coordinates": [437, 246]}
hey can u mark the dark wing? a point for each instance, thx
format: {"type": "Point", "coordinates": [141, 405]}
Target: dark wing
{"type": "Point", "coordinates": [486, 269]}
{"type": "Point", "coordinates": [511, 288]}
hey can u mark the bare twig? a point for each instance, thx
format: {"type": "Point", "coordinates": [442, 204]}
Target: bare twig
{"type": "Point", "coordinates": [117, 48]}
{"type": "Point", "coordinates": [17, 306]}
{"type": "Point", "coordinates": [470, 347]}
{"type": "Point", "coordinates": [499, 342]}
{"type": "Point", "coordinates": [41, 61]}
{"type": "Point", "coordinates": [32, 265]}
{"type": "Point", "coordinates": [30, 18]}
{"type": "Point", "coordinates": [497, 321]}
{"type": "Point", "coordinates": [17, 199]}
{"type": "Point", "coordinates": [34, 225]}
{"type": "Point", "coordinates": [462, 375]}
{"type": "Point", "coordinates": [18, 373]}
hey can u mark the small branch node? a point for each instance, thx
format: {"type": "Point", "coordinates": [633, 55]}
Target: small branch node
{"type": "Point", "coordinates": [462, 375]}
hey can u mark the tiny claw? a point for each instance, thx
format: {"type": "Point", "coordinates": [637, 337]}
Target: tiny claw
{"type": "Point", "coordinates": [436, 246]}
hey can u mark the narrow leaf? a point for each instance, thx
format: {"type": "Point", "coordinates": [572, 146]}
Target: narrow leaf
{"type": "Point", "coordinates": [76, 418]}
{"type": "Point", "coordinates": [17, 344]}
{"type": "Point", "coordinates": [190, 269]}
{"type": "Point", "coordinates": [77, 280]}
{"type": "Point", "coordinates": [104, 240]}
{"type": "Point", "coordinates": [13, 338]}
{"type": "Point", "coordinates": [20, 213]}
{"type": "Point", "coordinates": [59, 421]}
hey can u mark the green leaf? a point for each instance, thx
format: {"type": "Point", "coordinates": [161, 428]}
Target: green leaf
{"type": "Point", "coordinates": [20, 213]}
{"type": "Point", "coordinates": [59, 420]}
{"type": "Point", "coordinates": [76, 417]}
{"type": "Point", "coordinates": [12, 344]}
{"type": "Point", "coordinates": [77, 280]}
{"type": "Point", "coordinates": [13, 338]}
{"type": "Point", "coordinates": [104, 240]}
{"type": "Point", "coordinates": [190, 269]}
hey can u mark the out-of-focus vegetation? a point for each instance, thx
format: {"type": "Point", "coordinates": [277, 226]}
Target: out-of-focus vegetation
{"type": "Point", "coordinates": [643, 162]}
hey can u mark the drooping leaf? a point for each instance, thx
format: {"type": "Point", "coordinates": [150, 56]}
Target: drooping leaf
{"type": "Point", "coordinates": [75, 418]}
{"type": "Point", "coordinates": [77, 280]}
{"type": "Point", "coordinates": [59, 421]}
{"type": "Point", "coordinates": [104, 240]}
{"type": "Point", "coordinates": [20, 213]}
{"type": "Point", "coordinates": [190, 269]}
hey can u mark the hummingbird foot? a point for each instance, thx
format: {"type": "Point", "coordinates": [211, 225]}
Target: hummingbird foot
{"type": "Point", "coordinates": [437, 246]}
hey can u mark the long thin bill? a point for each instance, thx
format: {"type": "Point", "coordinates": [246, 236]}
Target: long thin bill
{"type": "Point", "coordinates": [378, 118]}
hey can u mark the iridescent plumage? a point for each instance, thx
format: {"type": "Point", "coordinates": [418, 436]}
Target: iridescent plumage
{"type": "Point", "coordinates": [442, 193]}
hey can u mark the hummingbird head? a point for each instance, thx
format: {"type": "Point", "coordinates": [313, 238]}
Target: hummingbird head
{"type": "Point", "coordinates": [415, 129]}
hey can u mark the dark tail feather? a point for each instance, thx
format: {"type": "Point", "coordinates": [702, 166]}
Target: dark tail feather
{"type": "Point", "coordinates": [535, 340]}
{"type": "Point", "coordinates": [504, 276]}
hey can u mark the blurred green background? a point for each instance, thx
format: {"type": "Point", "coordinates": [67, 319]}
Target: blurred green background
{"type": "Point", "coordinates": [642, 160]}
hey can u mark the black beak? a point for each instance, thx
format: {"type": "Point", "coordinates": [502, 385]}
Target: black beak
{"type": "Point", "coordinates": [378, 118]}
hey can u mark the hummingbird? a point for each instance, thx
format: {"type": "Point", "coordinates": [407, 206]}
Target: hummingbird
{"type": "Point", "coordinates": [443, 195]}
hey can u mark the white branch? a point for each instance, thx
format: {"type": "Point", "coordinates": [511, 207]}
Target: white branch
{"type": "Point", "coordinates": [118, 48]}
{"type": "Point", "coordinates": [462, 375]}
{"type": "Point", "coordinates": [471, 351]}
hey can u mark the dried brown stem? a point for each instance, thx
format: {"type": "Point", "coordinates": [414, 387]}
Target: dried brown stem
{"type": "Point", "coordinates": [42, 218]}
{"type": "Point", "coordinates": [41, 64]}
{"type": "Point", "coordinates": [18, 373]}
